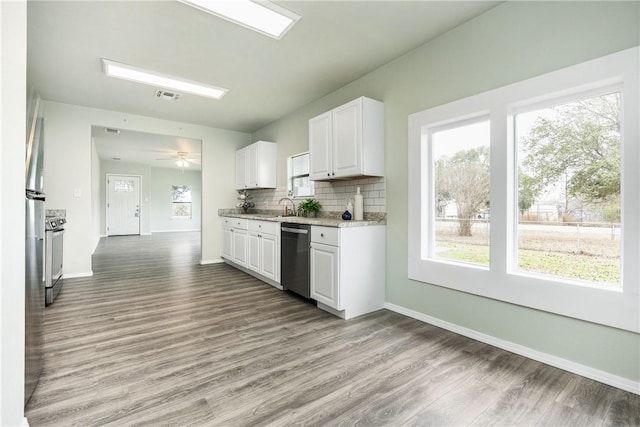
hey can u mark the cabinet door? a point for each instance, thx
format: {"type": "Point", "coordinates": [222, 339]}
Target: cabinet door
{"type": "Point", "coordinates": [269, 258]}
{"type": "Point", "coordinates": [240, 247]}
{"type": "Point", "coordinates": [253, 257]}
{"type": "Point", "coordinates": [325, 268]}
{"type": "Point", "coordinates": [347, 139]}
{"type": "Point", "coordinates": [241, 169]}
{"type": "Point", "coordinates": [227, 243]}
{"type": "Point", "coordinates": [320, 147]}
{"type": "Point", "coordinates": [252, 163]}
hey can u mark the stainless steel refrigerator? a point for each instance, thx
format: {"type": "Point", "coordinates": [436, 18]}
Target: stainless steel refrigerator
{"type": "Point", "coordinates": [34, 248]}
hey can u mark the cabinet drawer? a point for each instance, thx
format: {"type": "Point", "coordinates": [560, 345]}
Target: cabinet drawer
{"type": "Point", "coordinates": [326, 235]}
{"type": "Point", "coordinates": [235, 223]}
{"type": "Point", "coordinates": [267, 227]}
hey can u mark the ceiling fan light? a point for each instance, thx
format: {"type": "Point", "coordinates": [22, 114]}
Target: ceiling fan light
{"type": "Point", "coordinates": [128, 72]}
{"type": "Point", "coordinates": [182, 163]}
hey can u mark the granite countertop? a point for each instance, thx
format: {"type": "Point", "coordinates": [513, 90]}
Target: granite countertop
{"type": "Point", "coordinates": [330, 219]}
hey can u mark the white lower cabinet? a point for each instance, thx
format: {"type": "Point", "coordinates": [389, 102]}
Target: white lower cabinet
{"type": "Point", "coordinates": [263, 254]}
{"type": "Point", "coordinates": [324, 266]}
{"type": "Point", "coordinates": [227, 242]}
{"type": "Point", "coordinates": [254, 246]}
{"type": "Point", "coordinates": [348, 269]}
{"type": "Point", "coordinates": [270, 256]}
{"type": "Point", "coordinates": [240, 247]}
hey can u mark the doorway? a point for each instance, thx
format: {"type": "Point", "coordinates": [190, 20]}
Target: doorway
{"type": "Point", "coordinates": [123, 205]}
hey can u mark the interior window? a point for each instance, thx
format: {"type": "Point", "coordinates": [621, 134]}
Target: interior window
{"type": "Point", "coordinates": [181, 201]}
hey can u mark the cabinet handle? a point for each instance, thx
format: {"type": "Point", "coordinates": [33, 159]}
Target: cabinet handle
{"type": "Point", "coordinates": [321, 234]}
{"type": "Point", "coordinates": [333, 173]}
{"type": "Point", "coordinates": [328, 174]}
{"type": "Point", "coordinates": [259, 226]}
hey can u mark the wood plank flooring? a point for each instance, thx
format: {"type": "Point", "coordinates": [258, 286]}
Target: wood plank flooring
{"type": "Point", "coordinates": [154, 338]}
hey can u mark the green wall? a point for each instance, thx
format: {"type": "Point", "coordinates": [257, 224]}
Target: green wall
{"type": "Point", "coordinates": [509, 43]}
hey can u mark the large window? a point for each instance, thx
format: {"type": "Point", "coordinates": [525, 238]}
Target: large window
{"type": "Point", "coordinates": [460, 193]}
{"type": "Point", "coordinates": [569, 189]}
{"type": "Point", "coordinates": [529, 193]}
{"type": "Point", "coordinates": [298, 183]}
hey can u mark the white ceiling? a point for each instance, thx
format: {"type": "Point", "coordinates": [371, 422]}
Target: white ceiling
{"type": "Point", "coordinates": [158, 151]}
{"type": "Point", "coordinates": [333, 44]}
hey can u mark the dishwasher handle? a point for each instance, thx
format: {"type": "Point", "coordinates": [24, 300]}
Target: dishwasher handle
{"type": "Point", "coordinates": [295, 230]}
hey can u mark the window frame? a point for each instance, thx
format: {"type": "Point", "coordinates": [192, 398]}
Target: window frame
{"type": "Point", "coordinates": [612, 306]}
{"type": "Point", "coordinates": [190, 202]}
{"type": "Point", "coordinates": [291, 177]}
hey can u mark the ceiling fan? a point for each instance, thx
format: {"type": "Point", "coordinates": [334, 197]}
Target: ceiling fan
{"type": "Point", "coordinates": [182, 159]}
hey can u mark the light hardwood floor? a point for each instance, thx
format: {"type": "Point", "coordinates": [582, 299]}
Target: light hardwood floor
{"type": "Point", "coordinates": [154, 338]}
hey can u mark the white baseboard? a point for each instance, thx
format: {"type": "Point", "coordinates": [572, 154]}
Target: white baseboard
{"type": "Point", "coordinates": [74, 275]}
{"type": "Point", "coordinates": [145, 234]}
{"type": "Point", "coordinates": [549, 359]}
{"type": "Point", "coordinates": [211, 261]}
{"type": "Point", "coordinates": [174, 231]}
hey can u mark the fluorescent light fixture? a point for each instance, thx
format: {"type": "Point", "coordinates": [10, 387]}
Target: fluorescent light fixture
{"type": "Point", "coordinates": [134, 74]}
{"type": "Point", "coordinates": [261, 16]}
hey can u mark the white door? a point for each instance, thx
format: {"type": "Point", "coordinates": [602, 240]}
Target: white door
{"type": "Point", "coordinates": [241, 168]}
{"type": "Point", "coordinates": [324, 269]}
{"type": "Point", "coordinates": [269, 256]}
{"type": "Point", "coordinates": [347, 139]}
{"type": "Point", "coordinates": [253, 259]}
{"type": "Point", "coordinates": [227, 243]}
{"type": "Point", "coordinates": [240, 247]}
{"type": "Point", "coordinates": [123, 205]}
{"type": "Point", "coordinates": [252, 161]}
{"type": "Point", "coordinates": [320, 146]}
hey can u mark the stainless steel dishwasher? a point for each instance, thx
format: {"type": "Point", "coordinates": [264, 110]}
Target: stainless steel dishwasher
{"type": "Point", "coordinates": [295, 241]}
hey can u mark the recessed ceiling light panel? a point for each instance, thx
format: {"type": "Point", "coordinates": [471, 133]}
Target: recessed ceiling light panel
{"type": "Point", "coordinates": [261, 16]}
{"type": "Point", "coordinates": [135, 74]}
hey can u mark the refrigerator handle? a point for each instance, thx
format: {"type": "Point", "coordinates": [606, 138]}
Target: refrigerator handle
{"type": "Point", "coordinates": [35, 195]}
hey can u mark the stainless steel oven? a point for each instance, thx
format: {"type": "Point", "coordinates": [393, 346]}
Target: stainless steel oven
{"type": "Point", "coordinates": [54, 234]}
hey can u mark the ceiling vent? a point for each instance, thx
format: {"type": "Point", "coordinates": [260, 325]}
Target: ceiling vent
{"type": "Point", "coordinates": [169, 96]}
{"type": "Point", "coordinates": [112, 130]}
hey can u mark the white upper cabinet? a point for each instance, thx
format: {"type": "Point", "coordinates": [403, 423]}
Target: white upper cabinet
{"type": "Point", "coordinates": [256, 166]}
{"type": "Point", "coordinates": [348, 141]}
{"type": "Point", "coordinates": [320, 162]}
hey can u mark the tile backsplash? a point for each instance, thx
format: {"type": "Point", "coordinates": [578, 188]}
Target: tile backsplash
{"type": "Point", "coordinates": [332, 195]}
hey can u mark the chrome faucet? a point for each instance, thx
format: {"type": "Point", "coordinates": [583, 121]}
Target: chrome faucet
{"type": "Point", "coordinates": [293, 205]}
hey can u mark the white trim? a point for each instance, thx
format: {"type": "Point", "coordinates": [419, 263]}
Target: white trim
{"type": "Point", "coordinates": [616, 307]}
{"type": "Point", "coordinates": [549, 359]}
{"type": "Point", "coordinates": [144, 234]}
{"type": "Point", "coordinates": [25, 422]}
{"type": "Point", "coordinates": [74, 275]}
{"type": "Point", "coordinates": [174, 231]}
{"type": "Point", "coordinates": [211, 261]}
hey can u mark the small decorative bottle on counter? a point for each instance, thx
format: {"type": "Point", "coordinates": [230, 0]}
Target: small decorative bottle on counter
{"type": "Point", "coordinates": [348, 214]}
{"type": "Point", "coordinates": [358, 206]}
